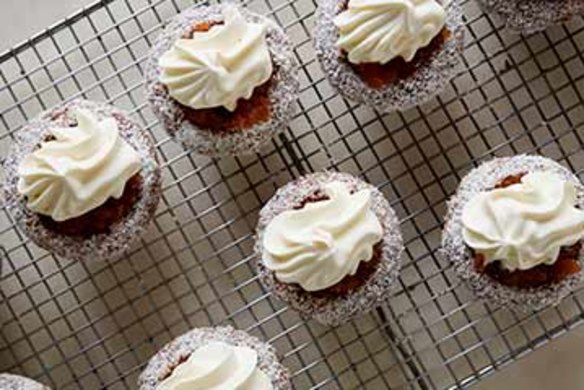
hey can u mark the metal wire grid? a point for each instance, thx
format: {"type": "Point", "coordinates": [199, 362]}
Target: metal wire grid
{"type": "Point", "coordinates": [94, 325]}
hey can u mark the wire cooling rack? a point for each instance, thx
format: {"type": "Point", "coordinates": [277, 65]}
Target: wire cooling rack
{"type": "Point", "coordinates": [95, 324]}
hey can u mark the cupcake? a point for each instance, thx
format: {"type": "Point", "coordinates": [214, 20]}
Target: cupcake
{"type": "Point", "coordinates": [329, 245]}
{"type": "Point", "coordinates": [82, 180]}
{"type": "Point", "coordinates": [389, 54]}
{"type": "Point", "coordinates": [222, 80]}
{"type": "Point", "coordinates": [215, 358]}
{"type": "Point", "coordinates": [514, 231]}
{"type": "Point", "coordinates": [529, 16]}
{"type": "Point", "coordinates": [17, 382]}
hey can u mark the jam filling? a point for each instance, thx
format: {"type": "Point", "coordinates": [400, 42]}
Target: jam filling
{"type": "Point", "coordinates": [377, 75]}
{"type": "Point", "coordinates": [173, 367]}
{"type": "Point", "coordinates": [349, 283]}
{"type": "Point", "coordinates": [100, 219]}
{"type": "Point", "coordinates": [247, 113]}
{"type": "Point", "coordinates": [541, 275]}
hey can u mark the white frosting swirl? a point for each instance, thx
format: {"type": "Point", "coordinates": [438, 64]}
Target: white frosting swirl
{"type": "Point", "coordinates": [220, 66]}
{"type": "Point", "coordinates": [525, 224]}
{"type": "Point", "coordinates": [218, 366]}
{"type": "Point", "coordinates": [381, 30]}
{"type": "Point", "coordinates": [79, 169]}
{"type": "Point", "coordinates": [320, 244]}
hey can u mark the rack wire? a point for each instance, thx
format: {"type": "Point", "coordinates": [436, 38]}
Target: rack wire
{"type": "Point", "coordinates": [95, 324]}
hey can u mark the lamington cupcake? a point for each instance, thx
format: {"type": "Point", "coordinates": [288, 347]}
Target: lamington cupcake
{"type": "Point", "coordinates": [514, 231]}
{"type": "Point", "coordinates": [389, 54]}
{"type": "Point", "coordinates": [329, 245]}
{"type": "Point", "coordinates": [529, 16]}
{"type": "Point", "coordinates": [82, 180]}
{"type": "Point", "coordinates": [215, 358]}
{"type": "Point", "coordinates": [222, 80]}
{"type": "Point", "coordinates": [17, 382]}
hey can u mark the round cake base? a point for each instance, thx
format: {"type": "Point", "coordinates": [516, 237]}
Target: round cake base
{"type": "Point", "coordinates": [98, 246]}
{"type": "Point", "coordinates": [172, 354]}
{"type": "Point", "coordinates": [530, 16]}
{"type": "Point", "coordinates": [374, 291]}
{"type": "Point", "coordinates": [484, 178]}
{"type": "Point", "coordinates": [17, 382]}
{"type": "Point", "coordinates": [421, 86]}
{"type": "Point", "coordinates": [282, 93]}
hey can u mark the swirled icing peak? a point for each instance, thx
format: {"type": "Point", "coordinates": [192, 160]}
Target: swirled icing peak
{"type": "Point", "coordinates": [321, 243]}
{"type": "Point", "coordinates": [217, 67]}
{"type": "Point", "coordinates": [525, 224]}
{"type": "Point", "coordinates": [381, 30]}
{"type": "Point", "coordinates": [218, 366]}
{"type": "Point", "coordinates": [78, 169]}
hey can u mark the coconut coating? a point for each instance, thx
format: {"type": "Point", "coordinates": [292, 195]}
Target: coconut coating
{"type": "Point", "coordinates": [123, 233]}
{"type": "Point", "coordinates": [421, 86]}
{"type": "Point", "coordinates": [282, 93]}
{"type": "Point", "coordinates": [328, 310]}
{"type": "Point", "coordinates": [175, 352]}
{"type": "Point", "coordinates": [484, 178]}
{"type": "Point", "coordinates": [17, 382]}
{"type": "Point", "coordinates": [529, 16]}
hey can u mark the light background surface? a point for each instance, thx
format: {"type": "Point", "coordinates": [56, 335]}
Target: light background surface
{"type": "Point", "coordinates": [556, 365]}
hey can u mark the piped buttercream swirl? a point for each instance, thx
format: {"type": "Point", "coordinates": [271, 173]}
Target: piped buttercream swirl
{"type": "Point", "coordinates": [525, 224]}
{"type": "Point", "coordinates": [381, 30]}
{"type": "Point", "coordinates": [218, 366]}
{"type": "Point", "coordinates": [220, 66]}
{"type": "Point", "coordinates": [323, 242]}
{"type": "Point", "coordinates": [78, 169]}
